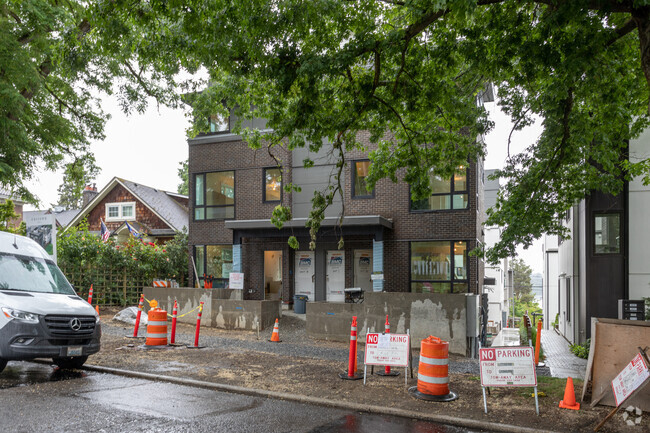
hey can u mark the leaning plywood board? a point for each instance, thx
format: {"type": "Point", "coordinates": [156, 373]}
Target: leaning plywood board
{"type": "Point", "coordinates": [616, 343]}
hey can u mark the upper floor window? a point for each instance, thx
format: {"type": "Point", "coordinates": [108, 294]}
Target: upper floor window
{"type": "Point", "coordinates": [214, 195]}
{"type": "Point", "coordinates": [359, 175]}
{"type": "Point", "coordinates": [445, 193]}
{"type": "Point", "coordinates": [607, 233]}
{"type": "Point", "coordinates": [272, 184]}
{"type": "Point", "coordinates": [120, 211]}
{"type": "Point", "coordinates": [439, 267]}
{"type": "Point", "coordinates": [218, 123]}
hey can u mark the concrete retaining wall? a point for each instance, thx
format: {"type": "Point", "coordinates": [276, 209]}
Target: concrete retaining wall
{"type": "Point", "coordinates": [441, 315]}
{"type": "Point", "coordinates": [221, 307]}
{"type": "Point", "coordinates": [245, 315]}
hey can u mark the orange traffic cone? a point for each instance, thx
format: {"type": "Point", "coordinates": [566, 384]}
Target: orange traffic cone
{"type": "Point", "coordinates": [275, 337]}
{"type": "Point", "coordinates": [569, 401]}
{"type": "Point", "coordinates": [97, 309]}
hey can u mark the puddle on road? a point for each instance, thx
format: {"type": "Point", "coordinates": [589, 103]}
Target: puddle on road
{"type": "Point", "coordinates": [366, 423]}
{"type": "Point", "coordinates": [27, 373]}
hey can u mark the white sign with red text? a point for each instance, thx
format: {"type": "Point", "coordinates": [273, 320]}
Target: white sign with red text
{"type": "Point", "coordinates": [387, 349]}
{"type": "Point", "coordinates": [507, 366]}
{"type": "Point", "coordinates": [628, 380]}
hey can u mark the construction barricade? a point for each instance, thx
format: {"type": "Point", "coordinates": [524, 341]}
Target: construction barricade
{"type": "Point", "coordinates": [156, 326]}
{"type": "Point", "coordinates": [433, 372]}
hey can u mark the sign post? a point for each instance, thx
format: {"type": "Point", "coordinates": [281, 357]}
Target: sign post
{"type": "Point", "coordinates": [633, 378]}
{"type": "Point", "coordinates": [508, 366]}
{"type": "Point", "coordinates": [386, 349]}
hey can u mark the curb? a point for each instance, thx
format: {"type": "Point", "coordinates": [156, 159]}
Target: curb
{"type": "Point", "coordinates": [380, 410]}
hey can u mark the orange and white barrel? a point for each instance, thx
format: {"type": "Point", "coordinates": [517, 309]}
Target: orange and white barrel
{"type": "Point", "coordinates": [433, 371]}
{"type": "Point", "coordinates": [156, 327]}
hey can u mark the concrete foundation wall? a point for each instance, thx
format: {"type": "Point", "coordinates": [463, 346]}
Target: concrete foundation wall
{"type": "Point", "coordinates": [424, 314]}
{"type": "Point", "coordinates": [244, 315]}
{"type": "Point", "coordinates": [188, 299]}
{"type": "Point", "coordinates": [222, 308]}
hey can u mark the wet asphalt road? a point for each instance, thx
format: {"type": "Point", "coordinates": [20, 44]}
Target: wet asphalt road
{"type": "Point", "coordinates": [39, 398]}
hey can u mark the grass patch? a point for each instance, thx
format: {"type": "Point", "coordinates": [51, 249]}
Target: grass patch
{"type": "Point", "coordinates": [553, 387]}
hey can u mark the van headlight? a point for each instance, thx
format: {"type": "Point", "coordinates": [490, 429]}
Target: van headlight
{"type": "Point", "coordinates": [10, 313]}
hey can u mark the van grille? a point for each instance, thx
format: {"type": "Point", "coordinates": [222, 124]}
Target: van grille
{"type": "Point", "coordinates": [59, 326]}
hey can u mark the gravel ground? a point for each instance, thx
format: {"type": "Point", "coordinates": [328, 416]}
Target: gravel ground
{"type": "Point", "coordinates": [295, 343]}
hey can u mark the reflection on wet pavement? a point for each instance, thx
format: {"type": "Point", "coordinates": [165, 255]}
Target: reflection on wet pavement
{"type": "Point", "coordinates": [366, 423]}
{"type": "Point", "coordinates": [22, 373]}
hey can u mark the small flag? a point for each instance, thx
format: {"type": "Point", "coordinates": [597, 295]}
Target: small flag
{"type": "Point", "coordinates": [133, 231]}
{"type": "Point", "coordinates": [104, 233]}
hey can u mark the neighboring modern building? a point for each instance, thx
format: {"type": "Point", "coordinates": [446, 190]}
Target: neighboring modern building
{"type": "Point", "coordinates": [551, 291]}
{"type": "Point", "coordinates": [607, 255]}
{"type": "Point", "coordinates": [157, 214]}
{"type": "Point", "coordinates": [496, 282]}
{"type": "Point", "coordinates": [391, 243]}
{"type": "Point", "coordinates": [537, 283]}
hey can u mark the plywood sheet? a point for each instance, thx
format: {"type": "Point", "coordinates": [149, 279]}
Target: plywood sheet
{"type": "Point", "coordinates": [616, 343]}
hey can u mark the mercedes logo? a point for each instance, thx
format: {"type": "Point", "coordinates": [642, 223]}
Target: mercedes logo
{"type": "Point", "coordinates": [75, 324]}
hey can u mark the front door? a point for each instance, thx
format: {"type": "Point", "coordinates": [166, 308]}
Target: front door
{"type": "Point", "coordinates": [363, 269]}
{"type": "Point", "coordinates": [335, 276]}
{"type": "Point", "coordinates": [305, 274]}
{"type": "Point", "coordinates": [273, 275]}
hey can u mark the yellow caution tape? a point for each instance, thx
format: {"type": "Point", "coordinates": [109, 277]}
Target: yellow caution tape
{"type": "Point", "coordinates": [181, 315]}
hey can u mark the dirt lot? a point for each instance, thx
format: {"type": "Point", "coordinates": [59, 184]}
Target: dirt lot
{"type": "Point", "coordinates": [317, 377]}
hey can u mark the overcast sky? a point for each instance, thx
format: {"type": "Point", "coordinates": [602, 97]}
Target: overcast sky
{"type": "Point", "coordinates": [148, 148]}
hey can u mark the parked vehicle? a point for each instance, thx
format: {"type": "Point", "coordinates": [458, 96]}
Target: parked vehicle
{"type": "Point", "coordinates": [41, 316]}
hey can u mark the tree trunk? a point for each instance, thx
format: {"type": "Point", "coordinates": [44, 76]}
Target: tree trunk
{"type": "Point", "coordinates": [641, 17]}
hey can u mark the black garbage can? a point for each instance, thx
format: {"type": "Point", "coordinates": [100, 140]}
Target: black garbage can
{"type": "Point", "coordinates": [300, 304]}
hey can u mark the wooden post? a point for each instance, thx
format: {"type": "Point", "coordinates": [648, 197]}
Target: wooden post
{"type": "Point", "coordinates": [124, 288]}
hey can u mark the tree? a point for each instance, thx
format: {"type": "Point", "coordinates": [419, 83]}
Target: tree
{"type": "Point", "coordinates": [76, 176]}
{"type": "Point", "coordinates": [407, 72]}
{"type": "Point", "coordinates": [52, 71]}
{"type": "Point", "coordinates": [524, 298]}
{"type": "Point", "coordinates": [183, 174]}
{"type": "Point", "coordinates": [410, 74]}
{"type": "Point", "coordinates": [8, 216]}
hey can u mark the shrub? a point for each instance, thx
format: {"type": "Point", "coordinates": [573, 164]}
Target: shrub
{"type": "Point", "coordinates": [581, 350]}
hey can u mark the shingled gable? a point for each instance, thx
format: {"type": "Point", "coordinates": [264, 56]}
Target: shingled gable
{"type": "Point", "coordinates": [166, 206]}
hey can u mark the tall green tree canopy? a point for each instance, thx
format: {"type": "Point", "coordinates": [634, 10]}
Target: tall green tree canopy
{"type": "Point", "coordinates": [76, 175]}
{"type": "Point", "coordinates": [326, 70]}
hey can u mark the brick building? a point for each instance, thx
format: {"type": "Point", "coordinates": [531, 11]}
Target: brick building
{"type": "Point", "coordinates": [391, 243]}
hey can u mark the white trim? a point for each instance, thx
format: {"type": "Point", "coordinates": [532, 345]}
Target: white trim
{"type": "Point", "coordinates": [120, 205]}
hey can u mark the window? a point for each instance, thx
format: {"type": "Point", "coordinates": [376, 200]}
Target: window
{"type": "Point", "coordinates": [607, 233]}
{"type": "Point", "coordinates": [120, 211]}
{"type": "Point", "coordinates": [215, 260]}
{"type": "Point", "coordinates": [214, 196]}
{"type": "Point", "coordinates": [359, 174]}
{"type": "Point", "coordinates": [568, 300]}
{"type": "Point", "coordinates": [272, 184]}
{"type": "Point", "coordinates": [445, 193]}
{"type": "Point", "coordinates": [218, 124]}
{"type": "Point", "coordinates": [439, 267]}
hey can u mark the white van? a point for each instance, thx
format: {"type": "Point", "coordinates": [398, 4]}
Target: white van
{"type": "Point", "coordinates": [41, 316]}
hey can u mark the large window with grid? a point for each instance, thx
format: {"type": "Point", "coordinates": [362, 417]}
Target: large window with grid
{"type": "Point", "coordinates": [446, 193]}
{"type": "Point", "coordinates": [439, 267]}
{"type": "Point", "coordinates": [215, 261]}
{"type": "Point", "coordinates": [214, 195]}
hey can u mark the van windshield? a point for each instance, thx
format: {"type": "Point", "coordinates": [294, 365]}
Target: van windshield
{"type": "Point", "coordinates": [32, 274]}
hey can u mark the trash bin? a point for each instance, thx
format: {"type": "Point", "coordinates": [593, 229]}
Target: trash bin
{"type": "Point", "coordinates": [300, 304]}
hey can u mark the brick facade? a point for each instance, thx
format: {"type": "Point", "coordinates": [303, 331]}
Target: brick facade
{"type": "Point", "coordinates": [391, 201]}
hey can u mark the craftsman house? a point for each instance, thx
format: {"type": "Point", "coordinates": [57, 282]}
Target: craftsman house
{"type": "Point", "coordinates": [391, 243]}
{"type": "Point", "coordinates": [156, 214]}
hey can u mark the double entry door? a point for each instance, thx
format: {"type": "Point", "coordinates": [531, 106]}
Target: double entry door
{"type": "Point", "coordinates": [305, 269]}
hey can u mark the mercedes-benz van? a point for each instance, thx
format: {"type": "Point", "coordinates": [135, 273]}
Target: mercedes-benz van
{"type": "Point", "coordinates": [41, 316]}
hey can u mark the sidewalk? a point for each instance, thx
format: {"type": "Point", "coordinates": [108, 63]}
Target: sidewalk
{"type": "Point", "coordinates": [559, 358]}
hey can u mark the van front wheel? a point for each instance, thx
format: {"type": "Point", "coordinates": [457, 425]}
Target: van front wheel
{"type": "Point", "coordinates": [3, 364]}
{"type": "Point", "coordinates": [70, 362]}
